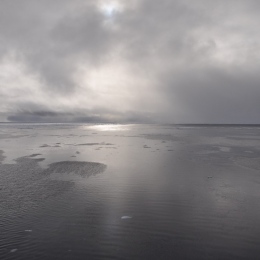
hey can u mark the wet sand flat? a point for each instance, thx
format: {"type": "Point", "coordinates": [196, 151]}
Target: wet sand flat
{"type": "Point", "coordinates": [73, 191]}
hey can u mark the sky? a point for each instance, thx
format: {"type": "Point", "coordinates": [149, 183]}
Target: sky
{"type": "Point", "coordinates": [134, 61]}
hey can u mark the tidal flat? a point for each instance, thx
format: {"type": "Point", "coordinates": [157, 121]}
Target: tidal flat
{"type": "Point", "coordinates": [81, 191]}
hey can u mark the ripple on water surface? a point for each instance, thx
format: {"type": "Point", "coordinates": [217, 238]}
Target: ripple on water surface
{"type": "Point", "coordinates": [30, 197]}
{"type": "Point", "coordinates": [200, 201]}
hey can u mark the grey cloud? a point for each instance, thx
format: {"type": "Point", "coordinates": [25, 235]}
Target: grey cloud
{"type": "Point", "coordinates": [195, 85]}
{"type": "Point", "coordinates": [97, 116]}
{"type": "Point", "coordinates": [214, 95]}
{"type": "Point", "coordinates": [200, 58]}
{"type": "Point", "coordinates": [51, 39]}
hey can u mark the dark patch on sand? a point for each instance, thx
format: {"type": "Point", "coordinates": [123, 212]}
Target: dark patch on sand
{"type": "Point", "coordinates": [11, 136]}
{"type": "Point", "coordinates": [90, 144]}
{"type": "Point", "coordinates": [45, 145]}
{"type": "Point", "coordinates": [39, 159]}
{"type": "Point", "coordinates": [2, 157]}
{"type": "Point", "coordinates": [77, 152]}
{"type": "Point", "coordinates": [84, 169]}
{"type": "Point", "coordinates": [163, 137]}
{"type": "Point", "coordinates": [30, 162]}
{"type": "Point", "coordinates": [34, 155]}
{"type": "Point", "coordinates": [251, 163]}
{"type": "Point", "coordinates": [147, 147]}
{"type": "Point", "coordinates": [23, 187]}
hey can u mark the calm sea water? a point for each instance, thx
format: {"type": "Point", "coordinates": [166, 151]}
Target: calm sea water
{"type": "Point", "coordinates": [129, 192]}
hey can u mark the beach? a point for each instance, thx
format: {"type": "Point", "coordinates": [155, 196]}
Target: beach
{"type": "Point", "coordinates": [135, 191]}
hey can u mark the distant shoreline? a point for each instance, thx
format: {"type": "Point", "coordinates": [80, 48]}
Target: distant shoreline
{"type": "Point", "coordinates": [176, 125]}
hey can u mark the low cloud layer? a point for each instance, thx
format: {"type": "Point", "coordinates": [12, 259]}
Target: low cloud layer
{"type": "Point", "coordinates": [130, 61]}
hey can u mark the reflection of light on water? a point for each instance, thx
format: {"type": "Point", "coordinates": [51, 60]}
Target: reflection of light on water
{"type": "Point", "coordinates": [110, 127]}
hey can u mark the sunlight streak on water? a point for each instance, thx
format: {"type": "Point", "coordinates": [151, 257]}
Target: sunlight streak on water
{"type": "Point", "coordinates": [129, 192]}
{"type": "Point", "coordinates": [110, 127]}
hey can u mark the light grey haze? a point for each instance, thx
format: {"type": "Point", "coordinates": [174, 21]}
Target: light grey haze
{"type": "Point", "coordinates": [173, 61]}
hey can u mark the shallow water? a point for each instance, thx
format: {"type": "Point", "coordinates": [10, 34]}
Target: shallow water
{"type": "Point", "coordinates": [129, 192]}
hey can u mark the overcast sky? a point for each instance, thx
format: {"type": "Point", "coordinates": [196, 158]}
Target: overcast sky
{"type": "Point", "coordinates": [170, 61]}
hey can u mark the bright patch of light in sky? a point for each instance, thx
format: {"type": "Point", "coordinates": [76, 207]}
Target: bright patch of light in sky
{"type": "Point", "coordinates": [111, 85]}
{"type": "Point", "coordinates": [110, 8]}
{"type": "Point", "coordinates": [126, 61]}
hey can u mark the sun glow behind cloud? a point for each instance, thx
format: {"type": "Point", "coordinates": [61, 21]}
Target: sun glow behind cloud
{"type": "Point", "coordinates": [106, 57]}
{"type": "Point", "coordinates": [111, 85]}
{"type": "Point", "coordinates": [110, 8]}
